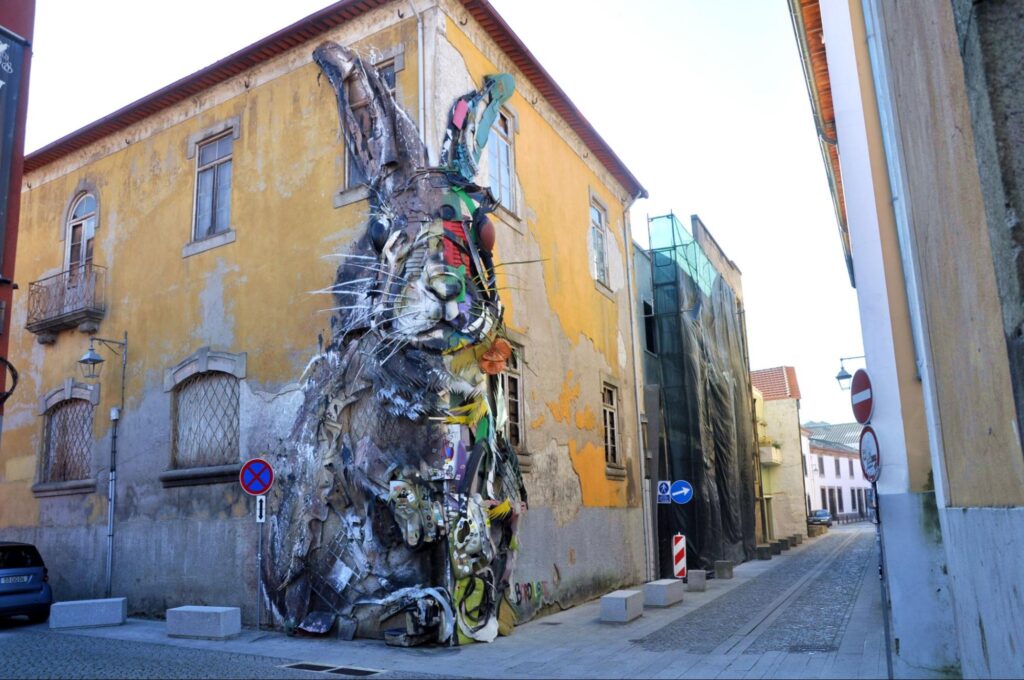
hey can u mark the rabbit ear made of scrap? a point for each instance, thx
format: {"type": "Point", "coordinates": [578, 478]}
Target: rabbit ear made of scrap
{"type": "Point", "coordinates": [469, 127]}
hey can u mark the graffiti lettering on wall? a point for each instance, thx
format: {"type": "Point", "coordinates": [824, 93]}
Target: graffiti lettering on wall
{"type": "Point", "coordinates": [532, 595]}
{"type": "Point", "coordinates": [397, 512]}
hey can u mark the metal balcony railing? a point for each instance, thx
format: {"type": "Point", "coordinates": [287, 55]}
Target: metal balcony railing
{"type": "Point", "coordinates": [67, 299]}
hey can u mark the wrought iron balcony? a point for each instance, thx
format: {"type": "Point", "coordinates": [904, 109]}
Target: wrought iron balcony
{"type": "Point", "coordinates": [67, 300]}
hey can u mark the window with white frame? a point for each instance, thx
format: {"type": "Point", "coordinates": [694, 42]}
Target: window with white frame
{"type": "Point", "coordinates": [81, 230]}
{"type": "Point", "coordinates": [839, 473]}
{"type": "Point", "coordinates": [850, 461]}
{"type": "Point", "coordinates": [821, 466]}
{"type": "Point", "coordinates": [205, 415]}
{"type": "Point", "coordinates": [501, 161]}
{"type": "Point", "coordinates": [512, 390]}
{"type": "Point", "coordinates": [359, 104]}
{"type": "Point", "coordinates": [67, 441]}
{"type": "Point", "coordinates": [213, 187]}
{"type": "Point", "coordinates": [610, 410]}
{"type": "Point", "coordinates": [598, 242]}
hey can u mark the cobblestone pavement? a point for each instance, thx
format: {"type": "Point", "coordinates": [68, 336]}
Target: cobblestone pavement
{"type": "Point", "coordinates": [812, 612]}
{"type": "Point", "coordinates": [704, 630]}
{"type": "Point", "coordinates": [41, 654]}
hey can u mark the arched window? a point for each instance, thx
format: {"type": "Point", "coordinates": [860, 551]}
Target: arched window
{"type": "Point", "coordinates": [67, 441]}
{"type": "Point", "coordinates": [80, 233]}
{"type": "Point", "coordinates": [206, 420]}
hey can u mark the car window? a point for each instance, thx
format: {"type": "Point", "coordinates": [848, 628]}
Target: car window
{"type": "Point", "coordinates": [19, 557]}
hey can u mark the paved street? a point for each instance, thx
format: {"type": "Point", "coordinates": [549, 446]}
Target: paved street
{"type": "Point", "coordinates": [812, 612]}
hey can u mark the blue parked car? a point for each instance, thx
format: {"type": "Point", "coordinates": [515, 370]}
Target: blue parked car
{"type": "Point", "coordinates": [23, 583]}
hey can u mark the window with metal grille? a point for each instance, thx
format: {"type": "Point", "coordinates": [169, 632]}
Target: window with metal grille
{"type": "Point", "coordinates": [512, 389]}
{"type": "Point", "coordinates": [213, 187]}
{"type": "Point", "coordinates": [610, 407]}
{"type": "Point", "coordinates": [354, 176]}
{"type": "Point", "coordinates": [206, 420]}
{"type": "Point", "coordinates": [67, 441]}
{"type": "Point", "coordinates": [501, 161]}
{"type": "Point", "coordinates": [598, 243]}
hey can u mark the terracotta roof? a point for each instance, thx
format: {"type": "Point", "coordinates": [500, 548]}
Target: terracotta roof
{"type": "Point", "coordinates": [310, 28]}
{"type": "Point", "coordinates": [776, 383]}
{"type": "Point", "coordinates": [806, 16]}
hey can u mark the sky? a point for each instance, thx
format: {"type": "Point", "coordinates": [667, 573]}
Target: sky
{"type": "Point", "coordinates": [704, 101]}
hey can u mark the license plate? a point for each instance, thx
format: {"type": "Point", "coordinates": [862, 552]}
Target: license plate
{"type": "Point", "coordinates": [15, 579]}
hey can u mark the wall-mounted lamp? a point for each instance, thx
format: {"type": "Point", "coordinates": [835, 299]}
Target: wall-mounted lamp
{"type": "Point", "coordinates": [843, 377]}
{"type": "Point", "coordinates": [91, 364]}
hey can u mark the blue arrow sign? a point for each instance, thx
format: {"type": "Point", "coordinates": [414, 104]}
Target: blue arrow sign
{"type": "Point", "coordinates": [682, 492]}
{"type": "Point", "coordinates": [663, 492]}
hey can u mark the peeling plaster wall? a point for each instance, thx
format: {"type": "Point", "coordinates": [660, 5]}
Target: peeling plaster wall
{"type": "Point", "coordinates": [584, 532]}
{"type": "Point", "coordinates": [574, 335]}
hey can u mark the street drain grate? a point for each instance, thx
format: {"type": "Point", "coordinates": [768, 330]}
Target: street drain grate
{"type": "Point", "coordinates": [333, 670]}
{"type": "Point", "coordinates": [309, 666]}
{"type": "Point", "coordinates": [352, 671]}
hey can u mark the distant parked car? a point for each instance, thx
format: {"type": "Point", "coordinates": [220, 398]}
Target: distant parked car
{"type": "Point", "coordinates": [820, 517]}
{"type": "Point", "coordinates": [24, 587]}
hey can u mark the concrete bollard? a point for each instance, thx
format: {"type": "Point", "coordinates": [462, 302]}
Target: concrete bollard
{"type": "Point", "coordinates": [764, 552]}
{"type": "Point", "coordinates": [784, 542]}
{"type": "Point", "coordinates": [204, 623]}
{"type": "Point", "coordinates": [696, 580]}
{"type": "Point", "coordinates": [723, 569]}
{"type": "Point", "coordinates": [664, 592]}
{"type": "Point", "coordinates": [776, 547]}
{"type": "Point", "coordinates": [622, 606]}
{"type": "Point", "coordinates": [89, 613]}
{"type": "Point", "coordinates": [796, 539]}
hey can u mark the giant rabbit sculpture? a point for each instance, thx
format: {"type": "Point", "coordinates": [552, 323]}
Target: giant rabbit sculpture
{"type": "Point", "coordinates": [396, 508]}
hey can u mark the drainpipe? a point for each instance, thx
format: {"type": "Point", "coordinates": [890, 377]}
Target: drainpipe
{"type": "Point", "coordinates": [650, 561]}
{"type": "Point", "coordinates": [421, 78]}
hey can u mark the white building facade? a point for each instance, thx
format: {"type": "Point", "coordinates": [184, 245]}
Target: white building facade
{"type": "Point", "coordinates": [833, 477]}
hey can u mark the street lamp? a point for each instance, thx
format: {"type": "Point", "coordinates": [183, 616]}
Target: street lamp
{"type": "Point", "coordinates": [843, 377]}
{"type": "Point", "coordinates": [91, 364]}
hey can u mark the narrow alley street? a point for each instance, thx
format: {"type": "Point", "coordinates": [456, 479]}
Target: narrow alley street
{"type": "Point", "coordinates": [812, 612]}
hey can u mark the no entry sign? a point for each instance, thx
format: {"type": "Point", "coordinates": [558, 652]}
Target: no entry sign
{"type": "Point", "coordinates": [870, 456]}
{"type": "Point", "coordinates": [256, 476]}
{"type": "Point", "coordinates": [861, 397]}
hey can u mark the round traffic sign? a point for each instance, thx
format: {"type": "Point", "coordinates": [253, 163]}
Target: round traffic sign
{"type": "Point", "coordinates": [870, 457]}
{"type": "Point", "coordinates": [682, 492]}
{"type": "Point", "coordinates": [256, 476]}
{"type": "Point", "coordinates": [861, 398]}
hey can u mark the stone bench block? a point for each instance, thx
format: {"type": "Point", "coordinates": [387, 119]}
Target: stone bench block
{"type": "Point", "coordinates": [622, 606]}
{"type": "Point", "coordinates": [796, 539]}
{"type": "Point", "coordinates": [723, 568]}
{"type": "Point", "coordinates": [764, 552]}
{"type": "Point", "coordinates": [776, 547]}
{"type": "Point", "coordinates": [664, 592]}
{"type": "Point", "coordinates": [784, 542]}
{"type": "Point", "coordinates": [89, 613]}
{"type": "Point", "coordinates": [696, 580]}
{"type": "Point", "coordinates": [206, 623]}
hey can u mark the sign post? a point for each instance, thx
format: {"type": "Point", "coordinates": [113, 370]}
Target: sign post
{"type": "Point", "coordinates": [679, 555]}
{"type": "Point", "coordinates": [256, 478]}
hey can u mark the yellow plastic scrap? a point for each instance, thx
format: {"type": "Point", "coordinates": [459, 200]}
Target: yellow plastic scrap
{"type": "Point", "coordinates": [500, 511]}
{"type": "Point", "coordinates": [468, 414]}
{"type": "Point", "coordinates": [507, 618]}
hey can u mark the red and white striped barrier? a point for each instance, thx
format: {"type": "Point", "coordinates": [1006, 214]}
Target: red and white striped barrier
{"type": "Point", "coordinates": [679, 555]}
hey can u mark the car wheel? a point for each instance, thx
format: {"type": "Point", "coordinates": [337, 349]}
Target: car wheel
{"type": "Point", "coordinates": [39, 617]}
